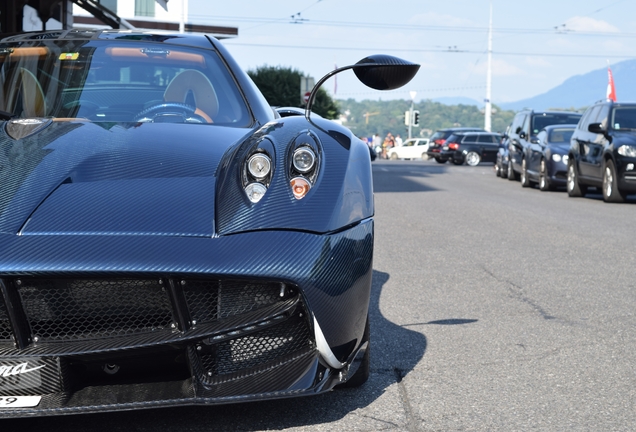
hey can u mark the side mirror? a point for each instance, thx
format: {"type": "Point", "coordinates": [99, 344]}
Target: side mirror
{"type": "Point", "coordinates": [380, 72]}
{"type": "Point", "coordinates": [596, 128]}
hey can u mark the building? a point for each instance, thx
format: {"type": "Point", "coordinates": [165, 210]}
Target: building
{"type": "Point", "coordinates": [168, 15]}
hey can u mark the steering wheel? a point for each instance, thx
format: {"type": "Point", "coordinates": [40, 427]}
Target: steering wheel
{"type": "Point", "coordinates": [170, 110]}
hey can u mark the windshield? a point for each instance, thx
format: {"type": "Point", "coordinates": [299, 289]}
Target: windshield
{"type": "Point", "coordinates": [111, 81]}
{"type": "Point", "coordinates": [560, 135]}
{"type": "Point", "coordinates": [624, 118]}
{"type": "Point", "coordinates": [543, 120]}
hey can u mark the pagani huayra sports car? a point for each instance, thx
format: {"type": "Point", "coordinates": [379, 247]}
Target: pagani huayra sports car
{"type": "Point", "coordinates": [166, 237]}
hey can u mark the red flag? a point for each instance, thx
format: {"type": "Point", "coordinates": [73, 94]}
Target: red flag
{"type": "Point", "coordinates": [611, 90]}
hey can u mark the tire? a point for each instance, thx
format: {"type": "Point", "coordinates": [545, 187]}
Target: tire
{"type": "Point", "coordinates": [472, 158]}
{"type": "Point", "coordinates": [438, 160]}
{"type": "Point", "coordinates": [503, 172]}
{"type": "Point", "coordinates": [544, 179]}
{"type": "Point", "coordinates": [497, 170]}
{"type": "Point", "coordinates": [525, 180]}
{"type": "Point", "coordinates": [424, 156]}
{"type": "Point", "coordinates": [512, 175]}
{"type": "Point", "coordinates": [394, 156]}
{"type": "Point", "coordinates": [575, 189]}
{"type": "Point", "coordinates": [611, 194]}
{"type": "Point", "coordinates": [362, 374]}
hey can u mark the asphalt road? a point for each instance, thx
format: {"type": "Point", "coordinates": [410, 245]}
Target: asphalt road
{"type": "Point", "coordinates": [493, 308]}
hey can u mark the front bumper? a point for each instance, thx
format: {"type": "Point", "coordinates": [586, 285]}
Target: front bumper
{"type": "Point", "coordinates": [127, 322]}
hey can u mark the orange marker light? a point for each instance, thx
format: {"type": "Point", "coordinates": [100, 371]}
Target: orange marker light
{"type": "Point", "coordinates": [300, 187]}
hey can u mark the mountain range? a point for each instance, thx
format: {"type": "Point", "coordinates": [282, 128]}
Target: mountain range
{"type": "Point", "coordinates": [576, 92]}
{"type": "Point", "coordinates": [581, 91]}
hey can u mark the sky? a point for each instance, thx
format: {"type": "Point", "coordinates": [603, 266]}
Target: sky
{"type": "Point", "coordinates": [537, 44]}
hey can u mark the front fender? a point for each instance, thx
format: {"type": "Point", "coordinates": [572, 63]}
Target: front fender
{"type": "Point", "coordinates": [341, 195]}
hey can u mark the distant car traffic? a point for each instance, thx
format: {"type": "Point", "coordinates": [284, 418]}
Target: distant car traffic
{"type": "Point", "coordinates": [414, 148]}
{"type": "Point", "coordinates": [438, 138]}
{"type": "Point", "coordinates": [523, 131]}
{"type": "Point", "coordinates": [547, 159]}
{"type": "Point", "coordinates": [471, 147]}
{"type": "Point", "coordinates": [603, 152]}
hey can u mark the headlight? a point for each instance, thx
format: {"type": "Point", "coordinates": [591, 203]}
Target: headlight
{"type": "Point", "coordinates": [627, 150]}
{"type": "Point", "coordinates": [565, 159]}
{"type": "Point", "coordinates": [304, 159]}
{"type": "Point", "coordinates": [556, 157]}
{"type": "Point", "coordinates": [259, 166]}
{"type": "Point", "coordinates": [255, 191]}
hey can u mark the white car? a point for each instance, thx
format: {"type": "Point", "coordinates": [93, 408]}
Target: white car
{"type": "Point", "coordinates": [414, 148]}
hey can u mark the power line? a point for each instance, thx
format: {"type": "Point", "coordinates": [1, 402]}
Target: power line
{"type": "Point", "coordinates": [448, 50]}
{"type": "Point", "coordinates": [469, 29]}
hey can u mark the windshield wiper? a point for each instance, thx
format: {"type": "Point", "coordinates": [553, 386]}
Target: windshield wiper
{"type": "Point", "coordinates": [6, 115]}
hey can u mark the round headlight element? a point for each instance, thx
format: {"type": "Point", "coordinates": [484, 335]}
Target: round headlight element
{"type": "Point", "coordinates": [255, 191]}
{"type": "Point", "coordinates": [259, 165]}
{"type": "Point", "coordinates": [304, 159]}
{"type": "Point", "coordinates": [556, 157]}
{"type": "Point", "coordinates": [300, 186]}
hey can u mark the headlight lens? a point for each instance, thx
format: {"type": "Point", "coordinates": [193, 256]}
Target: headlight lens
{"type": "Point", "coordinates": [259, 165]}
{"type": "Point", "coordinates": [565, 159]}
{"type": "Point", "coordinates": [627, 150]}
{"type": "Point", "coordinates": [556, 157]}
{"type": "Point", "coordinates": [255, 191]}
{"type": "Point", "coordinates": [304, 159]}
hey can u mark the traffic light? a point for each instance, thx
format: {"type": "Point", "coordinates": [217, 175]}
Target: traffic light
{"type": "Point", "coordinates": [407, 118]}
{"type": "Point", "coordinates": [416, 118]}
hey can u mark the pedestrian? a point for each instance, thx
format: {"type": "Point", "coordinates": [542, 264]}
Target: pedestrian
{"type": "Point", "coordinates": [398, 141]}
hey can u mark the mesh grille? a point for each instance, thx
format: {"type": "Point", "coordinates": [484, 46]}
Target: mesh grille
{"type": "Point", "coordinates": [212, 300]}
{"type": "Point", "coordinates": [86, 309]}
{"type": "Point", "coordinates": [258, 348]}
{"type": "Point", "coordinates": [5, 328]}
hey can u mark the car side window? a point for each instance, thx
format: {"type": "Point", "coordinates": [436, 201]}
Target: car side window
{"type": "Point", "coordinates": [603, 116]}
{"type": "Point", "coordinates": [516, 123]}
{"type": "Point", "coordinates": [592, 117]}
{"type": "Point", "coordinates": [470, 139]}
{"type": "Point", "coordinates": [526, 124]}
{"type": "Point", "coordinates": [408, 143]}
{"type": "Point", "coordinates": [489, 139]}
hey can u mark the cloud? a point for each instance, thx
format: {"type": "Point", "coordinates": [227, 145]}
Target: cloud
{"type": "Point", "coordinates": [587, 24]}
{"type": "Point", "coordinates": [432, 18]}
{"type": "Point", "coordinates": [500, 68]}
{"type": "Point", "coordinates": [537, 62]}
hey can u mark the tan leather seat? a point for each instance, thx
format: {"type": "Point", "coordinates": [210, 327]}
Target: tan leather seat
{"type": "Point", "coordinates": [33, 100]}
{"type": "Point", "coordinates": [207, 104]}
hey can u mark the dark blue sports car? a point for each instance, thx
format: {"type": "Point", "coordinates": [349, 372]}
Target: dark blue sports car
{"type": "Point", "coordinates": [166, 237]}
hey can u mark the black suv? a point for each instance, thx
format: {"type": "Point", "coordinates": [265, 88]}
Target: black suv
{"type": "Point", "coordinates": [471, 147]}
{"type": "Point", "coordinates": [603, 152]}
{"type": "Point", "coordinates": [523, 131]}
{"type": "Point", "coordinates": [438, 139]}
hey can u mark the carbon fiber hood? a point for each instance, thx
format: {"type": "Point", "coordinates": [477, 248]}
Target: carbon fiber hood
{"type": "Point", "coordinates": [126, 179]}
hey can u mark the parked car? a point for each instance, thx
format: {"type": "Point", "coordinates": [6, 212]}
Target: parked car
{"type": "Point", "coordinates": [437, 141]}
{"type": "Point", "coordinates": [471, 148]}
{"type": "Point", "coordinates": [167, 238]}
{"type": "Point", "coordinates": [414, 148]}
{"type": "Point", "coordinates": [547, 159]}
{"type": "Point", "coordinates": [603, 152]}
{"type": "Point", "coordinates": [523, 131]}
{"type": "Point", "coordinates": [501, 162]}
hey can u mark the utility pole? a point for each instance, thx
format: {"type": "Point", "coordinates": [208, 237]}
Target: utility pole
{"type": "Point", "coordinates": [488, 108]}
{"type": "Point", "coordinates": [184, 14]}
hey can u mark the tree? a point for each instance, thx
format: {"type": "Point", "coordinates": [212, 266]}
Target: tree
{"type": "Point", "coordinates": [281, 87]}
